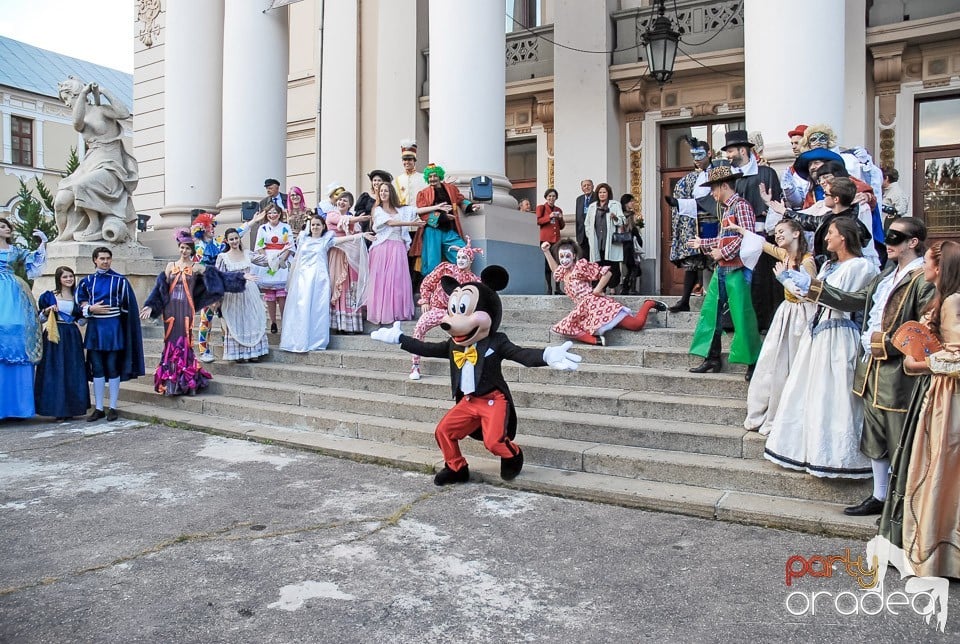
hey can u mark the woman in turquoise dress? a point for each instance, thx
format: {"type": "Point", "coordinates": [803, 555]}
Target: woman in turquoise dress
{"type": "Point", "coordinates": [21, 344]}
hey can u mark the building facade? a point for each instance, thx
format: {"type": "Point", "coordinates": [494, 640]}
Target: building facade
{"type": "Point", "coordinates": [535, 94]}
{"type": "Point", "coordinates": [36, 128]}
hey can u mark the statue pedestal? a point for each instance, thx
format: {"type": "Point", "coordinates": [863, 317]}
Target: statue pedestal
{"type": "Point", "coordinates": [131, 259]}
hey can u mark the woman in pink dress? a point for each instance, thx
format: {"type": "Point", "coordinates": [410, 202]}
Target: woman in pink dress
{"type": "Point", "coordinates": [593, 313]}
{"type": "Point", "coordinates": [347, 266]}
{"type": "Point", "coordinates": [391, 292]}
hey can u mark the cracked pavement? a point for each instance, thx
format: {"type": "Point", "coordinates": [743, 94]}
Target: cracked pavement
{"type": "Point", "coordinates": [129, 532]}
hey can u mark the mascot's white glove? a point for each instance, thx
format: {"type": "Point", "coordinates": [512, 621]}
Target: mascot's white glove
{"type": "Point", "coordinates": [42, 236]}
{"type": "Point", "coordinates": [388, 334]}
{"type": "Point", "coordinates": [560, 358]}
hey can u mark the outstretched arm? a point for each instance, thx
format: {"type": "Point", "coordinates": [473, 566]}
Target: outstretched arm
{"type": "Point", "coordinates": [551, 262]}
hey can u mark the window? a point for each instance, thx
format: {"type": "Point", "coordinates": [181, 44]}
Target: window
{"type": "Point", "coordinates": [936, 162]}
{"type": "Point", "coordinates": [522, 14]}
{"type": "Point", "coordinates": [521, 163]}
{"type": "Point", "coordinates": [21, 140]}
{"type": "Point", "coordinates": [937, 123]}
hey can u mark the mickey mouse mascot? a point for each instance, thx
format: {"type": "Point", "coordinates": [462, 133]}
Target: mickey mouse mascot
{"type": "Point", "coordinates": [484, 408]}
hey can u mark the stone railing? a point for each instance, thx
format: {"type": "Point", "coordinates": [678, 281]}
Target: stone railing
{"type": "Point", "coordinates": [528, 55]}
{"type": "Point", "coordinates": [706, 25]}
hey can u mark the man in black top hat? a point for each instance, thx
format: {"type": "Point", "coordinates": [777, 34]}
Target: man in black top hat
{"type": "Point", "coordinates": [767, 292]}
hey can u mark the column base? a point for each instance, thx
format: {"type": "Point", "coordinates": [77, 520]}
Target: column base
{"type": "Point", "coordinates": [509, 238]}
{"type": "Point", "coordinates": [501, 186]}
{"type": "Point", "coordinates": [229, 209]}
{"type": "Point", "coordinates": [178, 216]}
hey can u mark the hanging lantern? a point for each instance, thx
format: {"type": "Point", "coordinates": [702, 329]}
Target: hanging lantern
{"type": "Point", "coordinates": [660, 43]}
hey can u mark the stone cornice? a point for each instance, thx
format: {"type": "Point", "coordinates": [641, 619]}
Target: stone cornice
{"type": "Point", "coordinates": [923, 29]}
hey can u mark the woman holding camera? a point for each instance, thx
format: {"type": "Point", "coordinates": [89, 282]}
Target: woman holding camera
{"type": "Point", "coordinates": [550, 221]}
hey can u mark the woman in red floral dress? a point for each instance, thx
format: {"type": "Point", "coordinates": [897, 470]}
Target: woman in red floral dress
{"type": "Point", "coordinates": [593, 313]}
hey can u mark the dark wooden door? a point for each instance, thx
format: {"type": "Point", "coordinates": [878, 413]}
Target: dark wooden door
{"type": "Point", "coordinates": [671, 277]}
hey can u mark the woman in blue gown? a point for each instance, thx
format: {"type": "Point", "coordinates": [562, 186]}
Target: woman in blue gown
{"type": "Point", "coordinates": [20, 341]}
{"type": "Point", "coordinates": [61, 389]}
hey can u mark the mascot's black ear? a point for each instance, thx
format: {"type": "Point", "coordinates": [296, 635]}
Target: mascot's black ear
{"type": "Point", "coordinates": [496, 277]}
{"type": "Point", "coordinates": [449, 284]}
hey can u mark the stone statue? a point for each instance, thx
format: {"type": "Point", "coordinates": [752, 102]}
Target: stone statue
{"type": "Point", "coordinates": [94, 202]}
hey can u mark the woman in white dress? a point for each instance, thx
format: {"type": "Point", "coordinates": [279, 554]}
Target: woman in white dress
{"type": "Point", "coordinates": [306, 326]}
{"type": "Point", "coordinates": [790, 323]}
{"type": "Point", "coordinates": [244, 314]}
{"type": "Point", "coordinates": [818, 424]}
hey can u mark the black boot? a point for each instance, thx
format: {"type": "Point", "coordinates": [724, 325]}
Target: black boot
{"type": "Point", "coordinates": [446, 476]}
{"type": "Point", "coordinates": [749, 375]}
{"type": "Point", "coordinates": [510, 467]}
{"type": "Point", "coordinates": [689, 281]}
{"type": "Point", "coordinates": [708, 365]}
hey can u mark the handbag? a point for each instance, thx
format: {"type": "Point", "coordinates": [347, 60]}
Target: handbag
{"type": "Point", "coordinates": [622, 236]}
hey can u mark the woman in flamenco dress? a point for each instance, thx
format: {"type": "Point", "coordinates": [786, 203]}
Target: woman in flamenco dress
{"type": "Point", "coordinates": [183, 288]}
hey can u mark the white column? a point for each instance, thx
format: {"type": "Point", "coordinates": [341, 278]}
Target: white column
{"type": "Point", "coordinates": [779, 94]}
{"type": "Point", "coordinates": [38, 144]}
{"type": "Point", "coordinates": [255, 62]}
{"type": "Point", "coordinates": [855, 78]}
{"type": "Point", "coordinates": [587, 139]}
{"type": "Point", "coordinates": [339, 121]}
{"type": "Point", "coordinates": [7, 141]}
{"type": "Point", "coordinates": [193, 68]}
{"type": "Point", "coordinates": [397, 88]}
{"type": "Point", "coordinates": [467, 93]}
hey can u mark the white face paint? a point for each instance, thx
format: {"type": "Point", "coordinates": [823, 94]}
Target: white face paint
{"type": "Point", "coordinates": [566, 257]}
{"type": "Point", "coordinates": [463, 261]}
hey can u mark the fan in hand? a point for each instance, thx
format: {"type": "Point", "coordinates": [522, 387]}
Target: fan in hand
{"type": "Point", "coordinates": [916, 340]}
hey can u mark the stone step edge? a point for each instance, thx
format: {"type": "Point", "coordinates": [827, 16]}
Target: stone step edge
{"type": "Point", "coordinates": [566, 445]}
{"type": "Point", "coordinates": [710, 430]}
{"type": "Point", "coordinates": [815, 517]}
{"type": "Point", "coordinates": [574, 391]}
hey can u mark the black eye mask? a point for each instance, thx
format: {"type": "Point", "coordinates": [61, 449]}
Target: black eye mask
{"type": "Point", "coordinates": [894, 237]}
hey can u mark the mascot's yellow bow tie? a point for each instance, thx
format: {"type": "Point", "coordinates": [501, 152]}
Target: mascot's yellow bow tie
{"type": "Point", "coordinates": [459, 357]}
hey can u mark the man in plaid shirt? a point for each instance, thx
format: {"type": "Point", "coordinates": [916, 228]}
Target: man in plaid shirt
{"type": "Point", "coordinates": [730, 286]}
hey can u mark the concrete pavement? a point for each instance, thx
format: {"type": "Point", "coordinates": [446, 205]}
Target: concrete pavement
{"type": "Point", "coordinates": [130, 532]}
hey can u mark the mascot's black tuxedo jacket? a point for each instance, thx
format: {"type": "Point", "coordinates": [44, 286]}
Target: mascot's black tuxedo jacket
{"type": "Point", "coordinates": [488, 373]}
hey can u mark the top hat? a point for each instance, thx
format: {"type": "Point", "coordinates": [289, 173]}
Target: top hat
{"type": "Point", "coordinates": [383, 174]}
{"type": "Point", "coordinates": [802, 165]}
{"type": "Point", "coordinates": [737, 138]}
{"type": "Point", "coordinates": [797, 131]}
{"type": "Point", "coordinates": [720, 174]}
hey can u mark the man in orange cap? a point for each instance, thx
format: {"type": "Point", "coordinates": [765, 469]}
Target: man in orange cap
{"type": "Point", "coordinates": [794, 187]}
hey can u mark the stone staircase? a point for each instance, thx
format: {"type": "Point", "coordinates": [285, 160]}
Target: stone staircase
{"type": "Point", "coordinates": [632, 426]}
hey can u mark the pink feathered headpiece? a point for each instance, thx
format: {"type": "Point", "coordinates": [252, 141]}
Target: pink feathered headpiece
{"type": "Point", "coordinates": [471, 251]}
